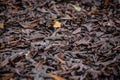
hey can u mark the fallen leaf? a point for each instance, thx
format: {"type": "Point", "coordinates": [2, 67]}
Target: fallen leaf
{"type": "Point", "coordinates": [28, 54]}
{"type": "Point", "coordinates": [14, 58]}
{"type": "Point", "coordinates": [57, 24]}
{"type": "Point", "coordinates": [1, 25]}
{"type": "Point", "coordinates": [31, 24]}
{"type": "Point", "coordinates": [56, 77]}
{"type": "Point", "coordinates": [2, 46]}
{"type": "Point", "coordinates": [94, 11]}
{"type": "Point", "coordinates": [66, 17]}
{"type": "Point", "coordinates": [4, 63]}
{"type": "Point", "coordinates": [39, 64]}
{"type": "Point", "coordinates": [77, 8]}
{"type": "Point", "coordinates": [74, 66]}
{"type": "Point", "coordinates": [106, 1]}
{"type": "Point", "coordinates": [8, 77]}
{"type": "Point", "coordinates": [82, 42]}
{"type": "Point", "coordinates": [62, 61]}
{"type": "Point", "coordinates": [77, 31]}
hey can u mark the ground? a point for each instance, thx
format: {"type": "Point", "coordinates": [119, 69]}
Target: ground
{"type": "Point", "coordinates": [59, 39]}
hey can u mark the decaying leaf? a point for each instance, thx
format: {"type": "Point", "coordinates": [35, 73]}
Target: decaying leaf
{"type": "Point", "coordinates": [15, 58]}
{"type": "Point", "coordinates": [106, 1]}
{"type": "Point", "coordinates": [2, 46]}
{"type": "Point", "coordinates": [77, 31]}
{"type": "Point", "coordinates": [8, 77]}
{"type": "Point", "coordinates": [66, 17]}
{"type": "Point", "coordinates": [77, 8]}
{"type": "Point", "coordinates": [29, 54]}
{"type": "Point", "coordinates": [62, 61]}
{"type": "Point", "coordinates": [31, 24]}
{"type": "Point", "coordinates": [4, 63]}
{"type": "Point", "coordinates": [56, 77]}
{"type": "Point", "coordinates": [1, 25]}
{"type": "Point", "coordinates": [39, 64]}
{"type": "Point", "coordinates": [82, 42]}
{"type": "Point", "coordinates": [57, 24]}
{"type": "Point", "coordinates": [94, 11]}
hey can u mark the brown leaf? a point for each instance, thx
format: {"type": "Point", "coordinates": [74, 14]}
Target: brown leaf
{"type": "Point", "coordinates": [8, 77]}
{"type": "Point", "coordinates": [1, 25]}
{"type": "Point", "coordinates": [39, 64]}
{"type": "Point", "coordinates": [62, 61]}
{"type": "Point", "coordinates": [94, 11]}
{"type": "Point", "coordinates": [2, 46]}
{"type": "Point", "coordinates": [4, 63]}
{"type": "Point", "coordinates": [66, 17]}
{"type": "Point", "coordinates": [74, 66]}
{"type": "Point", "coordinates": [56, 77]}
{"type": "Point", "coordinates": [77, 31]}
{"type": "Point", "coordinates": [116, 48]}
{"type": "Point", "coordinates": [31, 24]}
{"type": "Point", "coordinates": [15, 58]}
{"type": "Point", "coordinates": [106, 1]}
{"type": "Point", "coordinates": [82, 42]}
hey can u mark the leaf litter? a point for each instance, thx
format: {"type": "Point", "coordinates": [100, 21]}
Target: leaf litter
{"type": "Point", "coordinates": [59, 40]}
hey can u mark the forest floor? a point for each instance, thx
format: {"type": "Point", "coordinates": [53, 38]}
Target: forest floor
{"type": "Point", "coordinates": [59, 39]}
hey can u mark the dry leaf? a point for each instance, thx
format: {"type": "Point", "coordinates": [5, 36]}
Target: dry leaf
{"type": "Point", "coordinates": [77, 8]}
{"type": "Point", "coordinates": [106, 1]}
{"type": "Point", "coordinates": [67, 17]}
{"type": "Point", "coordinates": [1, 25]}
{"type": "Point", "coordinates": [57, 24]}
{"type": "Point", "coordinates": [74, 66]}
{"type": "Point", "coordinates": [94, 11]}
{"type": "Point", "coordinates": [2, 46]}
{"type": "Point", "coordinates": [30, 24]}
{"type": "Point", "coordinates": [39, 64]}
{"type": "Point", "coordinates": [8, 77]}
{"type": "Point", "coordinates": [82, 42]}
{"type": "Point", "coordinates": [28, 54]}
{"type": "Point", "coordinates": [56, 77]}
{"type": "Point", "coordinates": [77, 31]}
{"type": "Point", "coordinates": [4, 63]}
{"type": "Point", "coordinates": [62, 61]}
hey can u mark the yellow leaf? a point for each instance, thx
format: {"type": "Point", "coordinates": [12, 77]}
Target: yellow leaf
{"type": "Point", "coordinates": [1, 25]}
{"type": "Point", "coordinates": [57, 24]}
{"type": "Point", "coordinates": [77, 8]}
{"type": "Point", "coordinates": [56, 77]}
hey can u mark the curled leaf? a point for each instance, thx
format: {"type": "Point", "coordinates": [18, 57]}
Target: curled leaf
{"type": "Point", "coordinates": [77, 31]}
{"type": "Point", "coordinates": [2, 46]}
{"type": "Point", "coordinates": [31, 24]}
{"type": "Point", "coordinates": [57, 24]}
{"type": "Point", "coordinates": [60, 60]}
{"type": "Point", "coordinates": [1, 25]}
{"type": "Point", "coordinates": [29, 54]}
{"type": "Point", "coordinates": [77, 8]}
{"type": "Point", "coordinates": [94, 11]}
{"type": "Point", "coordinates": [8, 77]}
{"type": "Point", "coordinates": [56, 77]}
{"type": "Point", "coordinates": [66, 17]}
